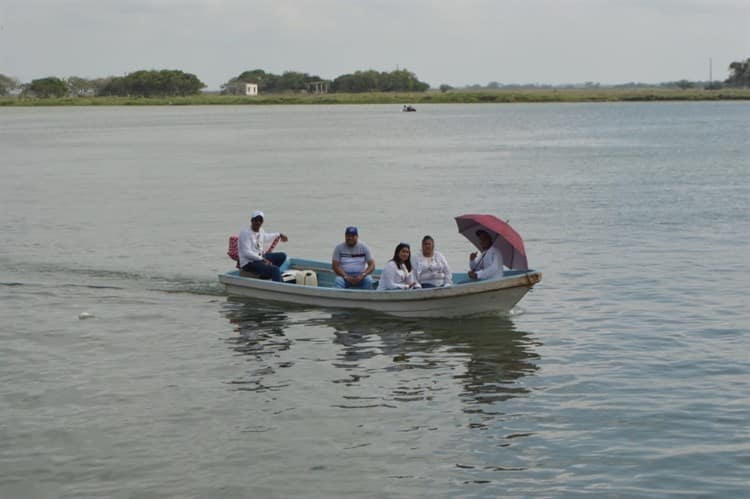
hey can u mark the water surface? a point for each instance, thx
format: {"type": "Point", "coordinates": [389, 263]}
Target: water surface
{"type": "Point", "coordinates": [625, 372]}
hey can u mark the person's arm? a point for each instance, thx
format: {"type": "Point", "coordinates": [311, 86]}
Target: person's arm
{"type": "Point", "coordinates": [411, 280]}
{"type": "Point", "coordinates": [474, 261]}
{"type": "Point", "coordinates": [415, 263]}
{"type": "Point", "coordinates": [336, 266]}
{"type": "Point", "coordinates": [415, 268]}
{"type": "Point", "coordinates": [370, 262]}
{"type": "Point", "coordinates": [336, 263]}
{"type": "Point", "coordinates": [368, 270]}
{"type": "Point", "coordinates": [446, 270]}
{"type": "Point", "coordinates": [370, 267]}
{"type": "Point", "coordinates": [268, 237]}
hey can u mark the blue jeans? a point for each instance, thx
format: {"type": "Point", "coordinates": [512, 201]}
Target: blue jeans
{"type": "Point", "coordinates": [365, 283]}
{"type": "Point", "coordinates": [265, 271]}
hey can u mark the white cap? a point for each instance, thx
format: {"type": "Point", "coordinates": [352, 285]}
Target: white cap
{"type": "Point", "coordinates": [258, 213]}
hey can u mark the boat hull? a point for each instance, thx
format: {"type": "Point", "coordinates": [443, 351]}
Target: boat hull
{"type": "Point", "coordinates": [469, 299]}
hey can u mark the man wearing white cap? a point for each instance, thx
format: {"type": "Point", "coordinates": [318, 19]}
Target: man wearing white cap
{"type": "Point", "coordinates": [254, 247]}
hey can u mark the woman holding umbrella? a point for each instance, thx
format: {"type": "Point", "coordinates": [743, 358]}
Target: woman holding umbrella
{"type": "Point", "coordinates": [490, 262]}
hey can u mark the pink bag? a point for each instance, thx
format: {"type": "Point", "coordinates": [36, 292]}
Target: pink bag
{"type": "Point", "coordinates": [233, 251]}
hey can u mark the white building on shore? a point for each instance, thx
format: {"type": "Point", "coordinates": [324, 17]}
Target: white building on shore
{"type": "Point", "coordinates": [251, 89]}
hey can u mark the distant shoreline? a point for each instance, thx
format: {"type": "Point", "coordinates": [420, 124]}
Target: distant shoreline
{"type": "Point", "coordinates": [430, 97]}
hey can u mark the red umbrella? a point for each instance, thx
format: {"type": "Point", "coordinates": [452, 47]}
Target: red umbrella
{"type": "Point", "coordinates": [504, 238]}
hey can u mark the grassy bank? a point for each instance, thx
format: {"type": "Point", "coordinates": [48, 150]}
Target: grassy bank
{"type": "Point", "coordinates": [454, 96]}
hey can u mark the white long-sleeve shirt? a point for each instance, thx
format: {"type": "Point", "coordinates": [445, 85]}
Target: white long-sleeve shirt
{"type": "Point", "coordinates": [488, 264]}
{"type": "Point", "coordinates": [251, 245]}
{"type": "Point", "coordinates": [432, 270]}
{"type": "Point", "coordinates": [394, 277]}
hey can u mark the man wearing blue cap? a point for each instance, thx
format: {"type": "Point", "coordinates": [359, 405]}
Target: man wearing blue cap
{"type": "Point", "coordinates": [353, 262]}
{"type": "Point", "coordinates": [255, 249]}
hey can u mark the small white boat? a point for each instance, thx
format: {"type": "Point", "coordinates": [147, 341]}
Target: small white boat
{"type": "Point", "coordinates": [467, 298]}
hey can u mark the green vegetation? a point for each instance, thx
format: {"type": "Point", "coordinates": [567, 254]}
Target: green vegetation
{"type": "Point", "coordinates": [7, 84]}
{"type": "Point", "coordinates": [400, 80]}
{"type": "Point", "coordinates": [371, 81]}
{"type": "Point", "coordinates": [739, 74]}
{"type": "Point", "coordinates": [290, 81]}
{"type": "Point", "coordinates": [400, 98]}
{"type": "Point", "coordinates": [173, 87]}
{"type": "Point", "coordinates": [164, 83]}
{"type": "Point", "coordinates": [45, 88]}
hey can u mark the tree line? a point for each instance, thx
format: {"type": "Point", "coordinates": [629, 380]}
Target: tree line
{"type": "Point", "coordinates": [167, 83]}
{"type": "Point", "coordinates": [739, 74]}
{"type": "Point", "coordinates": [290, 81]}
{"type": "Point", "coordinates": [163, 83]}
{"type": "Point", "coordinates": [400, 80]}
{"type": "Point", "coordinates": [739, 77]}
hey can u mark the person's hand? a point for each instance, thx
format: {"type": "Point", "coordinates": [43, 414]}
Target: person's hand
{"type": "Point", "coordinates": [473, 274]}
{"type": "Point", "coordinates": [283, 238]}
{"type": "Point", "coordinates": [472, 256]}
{"type": "Point", "coordinates": [358, 279]}
{"type": "Point", "coordinates": [266, 262]}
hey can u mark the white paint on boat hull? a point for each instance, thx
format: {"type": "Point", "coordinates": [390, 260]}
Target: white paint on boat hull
{"type": "Point", "coordinates": [483, 297]}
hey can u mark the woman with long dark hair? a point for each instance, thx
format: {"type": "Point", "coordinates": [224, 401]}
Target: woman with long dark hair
{"type": "Point", "coordinates": [397, 272]}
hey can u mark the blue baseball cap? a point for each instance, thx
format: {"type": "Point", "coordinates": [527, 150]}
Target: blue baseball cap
{"type": "Point", "coordinates": [351, 230]}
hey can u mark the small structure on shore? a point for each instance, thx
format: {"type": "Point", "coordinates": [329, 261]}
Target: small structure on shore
{"type": "Point", "coordinates": [318, 87]}
{"type": "Point", "coordinates": [251, 89]}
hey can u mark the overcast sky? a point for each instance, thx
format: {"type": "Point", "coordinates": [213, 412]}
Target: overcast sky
{"type": "Point", "coordinates": [446, 41]}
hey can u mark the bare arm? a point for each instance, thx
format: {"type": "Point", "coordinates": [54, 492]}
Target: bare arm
{"type": "Point", "coordinates": [370, 267]}
{"type": "Point", "coordinates": [337, 268]}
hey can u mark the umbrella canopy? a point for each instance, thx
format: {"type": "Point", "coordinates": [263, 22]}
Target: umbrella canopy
{"type": "Point", "coordinates": [504, 238]}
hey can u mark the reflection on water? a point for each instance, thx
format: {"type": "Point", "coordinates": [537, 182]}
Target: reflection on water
{"type": "Point", "coordinates": [260, 328]}
{"type": "Point", "coordinates": [487, 357]}
{"type": "Point", "coordinates": [260, 335]}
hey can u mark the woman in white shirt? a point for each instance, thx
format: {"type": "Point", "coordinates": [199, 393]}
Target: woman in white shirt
{"type": "Point", "coordinates": [430, 267]}
{"type": "Point", "coordinates": [397, 273]}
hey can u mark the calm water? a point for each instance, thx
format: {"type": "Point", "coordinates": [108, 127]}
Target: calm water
{"type": "Point", "coordinates": [626, 372]}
